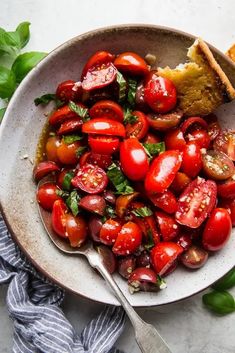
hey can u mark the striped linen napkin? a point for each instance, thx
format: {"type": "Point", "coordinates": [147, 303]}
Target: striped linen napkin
{"type": "Point", "coordinates": [39, 324]}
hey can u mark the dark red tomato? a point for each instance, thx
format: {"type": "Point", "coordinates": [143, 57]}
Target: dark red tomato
{"type": "Point", "coordinates": [70, 125]}
{"type": "Point", "coordinates": [93, 203]}
{"type": "Point", "coordinates": [99, 58]}
{"type": "Point", "coordinates": [164, 122]}
{"type": "Point", "coordinates": [44, 168]}
{"type": "Point", "coordinates": [225, 142]}
{"type": "Point", "coordinates": [122, 203]}
{"type": "Point", "coordinates": [52, 145]}
{"type": "Point", "coordinates": [101, 160]}
{"type": "Point", "coordinates": [166, 201]}
{"type": "Point", "coordinates": [68, 91]}
{"type": "Point", "coordinates": [192, 159]}
{"type": "Point", "coordinates": [139, 98]}
{"type": "Point", "coordinates": [126, 266]}
{"type": "Point", "coordinates": [201, 137]}
{"type": "Point", "coordinates": [214, 129]}
{"type": "Point", "coordinates": [217, 230]}
{"type": "Point", "coordinates": [180, 182]}
{"type": "Point", "coordinates": [194, 257]}
{"type": "Point", "coordinates": [217, 165]}
{"type": "Point", "coordinates": [109, 231]}
{"type": "Point", "coordinates": [46, 195]}
{"type": "Point", "coordinates": [67, 153]}
{"type": "Point", "coordinates": [193, 123]}
{"type": "Point", "coordinates": [184, 240]}
{"type": "Point", "coordinates": [169, 229]}
{"type": "Point", "coordinates": [63, 113]}
{"type": "Point", "coordinates": [140, 128]}
{"type": "Point", "coordinates": [162, 171]}
{"type": "Point", "coordinates": [109, 260]}
{"type": "Point", "coordinates": [128, 239]}
{"type": "Point", "coordinates": [103, 144]}
{"type": "Point", "coordinates": [164, 255]}
{"type": "Point", "coordinates": [152, 138]}
{"type": "Point", "coordinates": [159, 93]}
{"type": "Point", "coordinates": [196, 202]}
{"type": "Point", "coordinates": [76, 230]}
{"type": "Point", "coordinates": [131, 64]}
{"type": "Point", "coordinates": [133, 158]}
{"type": "Point", "coordinates": [174, 140]}
{"type": "Point", "coordinates": [227, 188]}
{"type": "Point", "coordinates": [90, 179]}
{"type": "Point", "coordinates": [58, 218]}
{"type": "Point", "coordinates": [144, 279]}
{"type": "Point", "coordinates": [103, 126]}
{"type": "Point", "coordinates": [99, 76]}
{"type": "Point", "coordinates": [107, 109]}
{"type": "Point", "coordinates": [230, 207]}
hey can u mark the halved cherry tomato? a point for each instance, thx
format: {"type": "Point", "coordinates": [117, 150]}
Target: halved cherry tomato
{"type": "Point", "coordinates": [99, 58]}
{"type": "Point", "coordinates": [162, 171]}
{"type": "Point", "coordinates": [58, 218]}
{"type": "Point", "coordinates": [217, 230]}
{"type": "Point", "coordinates": [174, 140]}
{"type": "Point", "coordinates": [90, 179]}
{"type": "Point", "coordinates": [76, 230]}
{"type": "Point", "coordinates": [140, 128]}
{"type": "Point", "coordinates": [196, 202]}
{"type": "Point", "coordinates": [194, 257]}
{"type": "Point", "coordinates": [169, 228]}
{"type": "Point", "coordinates": [217, 165]}
{"type": "Point", "coordinates": [101, 160]}
{"type": "Point", "coordinates": [225, 142]}
{"type": "Point", "coordinates": [180, 182]}
{"type": "Point", "coordinates": [70, 125]}
{"type": "Point", "coordinates": [51, 148]}
{"type": "Point", "coordinates": [109, 231]}
{"type": "Point", "coordinates": [192, 159]}
{"type": "Point", "coordinates": [133, 158]}
{"type": "Point", "coordinates": [227, 188]}
{"type": "Point", "coordinates": [194, 123]}
{"type": "Point", "coordinates": [166, 201]}
{"type": "Point", "coordinates": [152, 138]}
{"type": "Point", "coordinates": [131, 63]}
{"type": "Point", "coordinates": [126, 265]}
{"type": "Point", "coordinates": [93, 203]}
{"type": "Point", "coordinates": [128, 239]}
{"type": "Point", "coordinates": [46, 195]}
{"type": "Point", "coordinates": [63, 113]}
{"type": "Point", "coordinates": [214, 129]}
{"type": "Point", "coordinates": [144, 279]}
{"type": "Point", "coordinates": [184, 240]}
{"type": "Point", "coordinates": [201, 137]}
{"type": "Point", "coordinates": [107, 109]}
{"type": "Point", "coordinates": [44, 168]}
{"type": "Point", "coordinates": [99, 76]}
{"type": "Point", "coordinates": [122, 203]}
{"type": "Point", "coordinates": [67, 152]}
{"type": "Point", "coordinates": [103, 126]}
{"type": "Point", "coordinates": [166, 121]}
{"type": "Point", "coordinates": [68, 91]}
{"type": "Point", "coordinates": [164, 255]}
{"type": "Point", "coordinates": [230, 207]}
{"type": "Point", "coordinates": [103, 144]}
{"type": "Point", "coordinates": [159, 93]}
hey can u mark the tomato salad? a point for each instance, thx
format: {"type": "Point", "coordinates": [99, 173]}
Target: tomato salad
{"type": "Point", "coordinates": [151, 187]}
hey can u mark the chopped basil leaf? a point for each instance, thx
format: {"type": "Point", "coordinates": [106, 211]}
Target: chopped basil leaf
{"type": "Point", "coordinates": [119, 181]}
{"type": "Point", "coordinates": [71, 138]}
{"type": "Point", "coordinates": [129, 118]}
{"type": "Point", "coordinates": [72, 202]}
{"type": "Point", "coordinates": [81, 150]}
{"type": "Point", "coordinates": [66, 183]}
{"type": "Point", "coordinates": [142, 212]}
{"type": "Point", "coordinates": [63, 194]}
{"type": "Point", "coordinates": [132, 86]}
{"type": "Point", "coordinates": [110, 212]}
{"type": "Point", "coordinates": [161, 282]}
{"type": "Point", "coordinates": [122, 86]}
{"type": "Point", "coordinates": [150, 243]}
{"type": "Point", "coordinates": [154, 148]}
{"type": "Point", "coordinates": [80, 111]}
{"type": "Point", "coordinates": [46, 98]}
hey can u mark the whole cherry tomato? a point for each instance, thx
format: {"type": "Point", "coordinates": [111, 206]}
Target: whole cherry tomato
{"type": "Point", "coordinates": [66, 152]}
{"type": "Point", "coordinates": [230, 207]}
{"type": "Point", "coordinates": [68, 91]}
{"type": "Point", "coordinates": [52, 145]}
{"type": "Point", "coordinates": [166, 201]}
{"type": "Point", "coordinates": [131, 64]}
{"type": "Point", "coordinates": [103, 126]}
{"type": "Point", "coordinates": [109, 231]}
{"type": "Point", "coordinates": [58, 218]}
{"type": "Point", "coordinates": [128, 239]}
{"type": "Point", "coordinates": [103, 144]}
{"type": "Point", "coordinates": [180, 182]}
{"type": "Point", "coordinates": [174, 140]}
{"type": "Point", "coordinates": [107, 109]}
{"type": "Point", "coordinates": [46, 195]}
{"type": "Point", "coordinates": [201, 137]}
{"type": "Point", "coordinates": [64, 113]}
{"type": "Point", "coordinates": [99, 58]}
{"type": "Point", "coordinates": [44, 168]}
{"type": "Point", "coordinates": [76, 230]}
{"type": "Point", "coordinates": [164, 255]}
{"type": "Point", "coordinates": [169, 228]}
{"type": "Point", "coordinates": [165, 121]}
{"type": "Point", "coordinates": [192, 159]}
{"type": "Point", "coordinates": [70, 125]}
{"type": "Point", "coordinates": [99, 76]}
{"type": "Point", "coordinates": [91, 179]}
{"type": "Point", "coordinates": [138, 129]}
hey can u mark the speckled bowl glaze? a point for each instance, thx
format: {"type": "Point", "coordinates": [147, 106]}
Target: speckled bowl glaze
{"type": "Point", "coordinates": [20, 131]}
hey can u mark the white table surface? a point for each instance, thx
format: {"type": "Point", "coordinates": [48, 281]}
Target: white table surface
{"type": "Point", "coordinates": [187, 326]}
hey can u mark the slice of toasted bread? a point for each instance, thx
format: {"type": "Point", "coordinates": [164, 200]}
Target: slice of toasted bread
{"type": "Point", "coordinates": [201, 84]}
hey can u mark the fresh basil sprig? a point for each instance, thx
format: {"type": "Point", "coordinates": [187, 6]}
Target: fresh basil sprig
{"type": "Point", "coordinates": [221, 302]}
{"type": "Point", "coordinates": [152, 149]}
{"type": "Point", "coordinates": [119, 181]}
{"type": "Point", "coordinates": [142, 212]}
{"type": "Point", "coordinates": [25, 62]}
{"type": "Point", "coordinates": [80, 111]}
{"type": "Point", "coordinates": [12, 42]}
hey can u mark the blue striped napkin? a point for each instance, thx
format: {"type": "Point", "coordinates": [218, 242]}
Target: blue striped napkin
{"type": "Point", "coordinates": [39, 324]}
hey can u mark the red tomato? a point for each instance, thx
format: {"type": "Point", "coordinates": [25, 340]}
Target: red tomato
{"type": "Point", "coordinates": [201, 137]}
{"type": "Point", "coordinates": [214, 129]}
{"type": "Point", "coordinates": [52, 145]}
{"type": "Point", "coordinates": [58, 218]}
{"type": "Point", "coordinates": [169, 229]}
{"type": "Point", "coordinates": [46, 195]}
{"type": "Point", "coordinates": [184, 240]}
{"type": "Point", "coordinates": [90, 179]}
{"type": "Point", "coordinates": [192, 159]}
{"type": "Point", "coordinates": [225, 142]}
{"type": "Point", "coordinates": [194, 123]}
{"type": "Point", "coordinates": [67, 152]}
{"type": "Point", "coordinates": [217, 230]}
{"type": "Point", "coordinates": [99, 76]}
{"type": "Point", "coordinates": [164, 122]}
{"type": "Point", "coordinates": [174, 140]}
{"type": "Point", "coordinates": [99, 58]}
{"type": "Point", "coordinates": [68, 91]}
{"type": "Point", "coordinates": [227, 188]}
{"type": "Point", "coordinates": [70, 125]}
{"type": "Point", "coordinates": [196, 202]}
{"type": "Point", "coordinates": [101, 160]}
{"type": "Point", "coordinates": [140, 128]}
{"type": "Point", "coordinates": [107, 109]}
{"type": "Point", "coordinates": [230, 207]}
{"type": "Point", "coordinates": [44, 168]}
{"type": "Point", "coordinates": [159, 93]}
{"type": "Point", "coordinates": [103, 126]}
{"type": "Point", "coordinates": [76, 230]}
{"type": "Point", "coordinates": [103, 144]}
{"type": "Point", "coordinates": [180, 182]}
{"type": "Point", "coordinates": [131, 63]}
{"type": "Point", "coordinates": [133, 158]}
{"type": "Point", "coordinates": [128, 239]}
{"type": "Point", "coordinates": [162, 171]}
{"type": "Point", "coordinates": [152, 138]}
{"type": "Point", "coordinates": [166, 201]}
{"type": "Point", "coordinates": [63, 113]}
{"type": "Point", "coordinates": [164, 255]}
{"type": "Point", "coordinates": [109, 231]}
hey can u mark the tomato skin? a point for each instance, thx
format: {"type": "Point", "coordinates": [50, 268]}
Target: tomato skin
{"type": "Point", "coordinates": [174, 140]}
{"type": "Point", "coordinates": [91, 179]}
{"type": "Point", "coordinates": [69, 126]}
{"type": "Point", "coordinates": [230, 207]}
{"type": "Point", "coordinates": [103, 126]}
{"type": "Point", "coordinates": [109, 231]}
{"type": "Point", "coordinates": [133, 158]}
{"type": "Point", "coordinates": [225, 142]}
{"type": "Point", "coordinates": [217, 165]}
{"type": "Point", "coordinates": [227, 188]}
{"type": "Point", "coordinates": [67, 91]}
{"type": "Point", "coordinates": [52, 145]}
{"type": "Point", "coordinates": [138, 129]}
{"type": "Point", "coordinates": [159, 93]}
{"type": "Point", "coordinates": [46, 195]}
{"type": "Point", "coordinates": [62, 114]}
{"type": "Point", "coordinates": [103, 144]}
{"type": "Point", "coordinates": [44, 168]}
{"type": "Point", "coordinates": [169, 229]}
{"type": "Point", "coordinates": [180, 182]}
{"type": "Point", "coordinates": [107, 109]}
{"type": "Point", "coordinates": [151, 138]}
{"type": "Point", "coordinates": [128, 239]}
{"type": "Point", "coordinates": [193, 121]}
{"type": "Point", "coordinates": [200, 137]}
{"type": "Point", "coordinates": [217, 230]}
{"type": "Point", "coordinates": [67, 152]}
{"type": "Point", "coordinates": [100, 57]}
{"type": "Point", "coordinates": [166, 201]}
{"type": "Point", "coordinates": [131, 63]}
{"type": "Point", "coordinates": [162, 171]}
{"type": "Point", "coordinates": [58, 218]}
{"type": "Point", "coordinates": [192, 159]}
{"type": "Point", "coordinates": [166, 121]}
{"type": "Point", "coordinates": [164, 255]}
{"type": "Point", "coordinates": [99, 76]}
{"type": "Point", "coordinates": [122, 203]}
{"type": "Point", "coordinates": [76, 230]}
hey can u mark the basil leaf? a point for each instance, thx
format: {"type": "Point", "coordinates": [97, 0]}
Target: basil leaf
{"type": "Point", "coordinates": [80, 151]}
{"type": "Point", "coordinates": [150, 243]}
{"type": "Point", "coordinates": [119, 181]}
{"type": "Point", "coordinates": [219, 302]}
{"type": "Point", "coordinates": [45, 99]}
{"type": "Point", "coordinates": [132, 87]}
{"type": "Point", "coordinates": [23, 32]}
{"type": "Point", "coordinates": [227, 282]}
{"type": "Point", "coordinates": [129, 118]}
{"type": "Point", "coordinates": [61, 193]}
{"type": "Point", "coordinates": [80, 111]}
{"type": "Point", "coordinates": [122, 86]}
{"type": "Point", "coordinates": [142, 212]}
{"type": "Point", "coordinates": [71, 138]}
{"type": "Point", "coordinates": [154, 148]}
{"type": "Point", "coordinates": [8, 44]}
{"type": "Point", "coordinates": [72, 202]}
{"type": "Point", "coordinates": [110, 212]}
{"type": "Point", "coordinates": [161, 282]}
{"type": "Point", "coordinates": [25, 62]}
{"type": "Point", "coordinates": [2, 112]}
{"type": "Point", "coordinates": [7, 83]}
{"type": "Point", "coordinates": [66, 184]}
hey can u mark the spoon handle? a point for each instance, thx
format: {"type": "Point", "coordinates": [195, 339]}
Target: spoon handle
{"type": "Point", "coordinates": [147, 337]}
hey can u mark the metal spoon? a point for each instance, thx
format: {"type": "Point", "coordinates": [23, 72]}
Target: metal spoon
{"type": "Point", "coordinates": [147, 337]}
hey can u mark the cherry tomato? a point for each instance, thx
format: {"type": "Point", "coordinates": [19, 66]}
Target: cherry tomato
{"type": "Point", "coordinates": [196, 202]}
{"type": "Point", "coordinates": [162, 171]}
{"type": "Point", "coordinates": [122, 203]}
{"type": "Point", "coordinates": [68, 91]}
{"type": "Point", "coordinates": [139, 98]}
{"type": "Point", "coordinates": [193, 123]}
{"type": "Point", "coordinates": [63, 113]}
{"type": "Point", "coordinates": [143, 260]}
{"type": "Point", "coordinates": [93, 203]}
{"type": "Point", "coordinates": [90, 179]}
{"type": "Point", "coordinates": [67, 152]}
{"type": "Point", "coordinates": [214, 128]}
{"type": "Point", "coordinates": [192, 159]}
{"type": "Point", "coordinates": [52, 145]}
{"type": "Point", "coordinates": [164, 255]}
{"type": "Point", "coordinates": [227, 188]}
{"type": "Point", "coordinates": [103, 144]}
{"type": "Point", "coordinates": [230, 207]}
{"type": "Point", "coordinates": [140, 128]}
{"type": "Point", "coordinates": [101, 160]}
{"type": "Point", "coordinates": [194, 257]}
{"type": "Point", "coordinates": [58, 218]}
{"type": "Point", "coordinates": [46, 195]}
{"type": "Point", "coordinates": [131, 63]}
{"type": "Point", "coordinates": [44, 168]}
{"type": "Point", "coordinates": [133, 158]}
{"type": "Point", "coordinates": [184, 240]}
{"type": "Point", "coordinates": [107, 109]}
{"type": "Point", "coordinates": [144, 279]}
{"type": "Point", "coordinates": [225, 142]}
{"type": "Point", "coordinates": [109, 231]}
{"type": "Point", "coordinates": [103, 126]}
{"type": "Point", "coordinates": [217, 165]}
{"type": "Point", "coordinates": [99, 76]}
{"type": "Point", "coordinates": [174, 140]}
{"type": "Point", "coordinates": [76, 230]}
{"type": "Point", "coordinates": [166, 201]}
{"type": "Point", "coordinates": [217, 230]}
{"type": "Point", "coordinates": [159, 93]}
{"type": "Point", "coordinates": [94, 225]}
{"type": "Point", "coordinates": [99, 58]}
{"type": "Point", "coordinates": [128, 239]}
{"type": "Point", "coordinates": [166, 121]}
{"type": "Point", "coordinates": [70, 125]}
{"type": "Point", "coordinates": [151, 138]}
{"type": "Point", "coordinates": [126, 266]}
{"type": "Point", "coordinates": [201, 137]}
{"type": "Point", "coordinates": [180, 182]}
{"type": "Point", "coordinates": [169, 229]}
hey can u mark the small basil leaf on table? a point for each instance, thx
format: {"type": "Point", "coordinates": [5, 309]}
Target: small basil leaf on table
{"type": "Point", "coordinates": [25, 62]}
{"type": "Point", "coordinates": [227, 282]}
{"type": "Point", "coordinates": [220, 302]}
{"type": "Point", "coordinates": [2, 112]}
{"type": "Point", "coordinates": [7, 83]}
